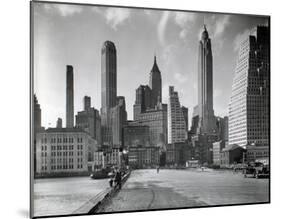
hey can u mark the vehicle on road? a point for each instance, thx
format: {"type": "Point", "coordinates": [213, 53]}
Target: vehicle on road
{"type": "Point", "coordinates": [102, 173]}
{"type": "Point", "coordinates": [256, 170]}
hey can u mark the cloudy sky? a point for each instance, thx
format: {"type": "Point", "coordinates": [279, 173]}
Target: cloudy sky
{"type": "Point", "coordinates": [74, 34]}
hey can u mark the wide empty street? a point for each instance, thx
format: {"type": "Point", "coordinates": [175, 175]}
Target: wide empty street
{"type": "Point", "coordinates": [145, 189]}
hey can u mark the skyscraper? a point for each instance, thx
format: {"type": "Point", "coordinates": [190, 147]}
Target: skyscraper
{"type": "Point", "coordinates": [176, 121]}
{"type": "Point", "coordinates": [149, 110]}
{"type": "Point", "coordinates": [69, 97]}
{"type": "Point", "coordinates": [249, 102]}
{"type": "Point", "coordinates": [89, 120]}
{"type": "Point", "coordinates": [205, 85]}
{"type": "Point", "coordinates": [155, 84]}
{"type": "Point", "coordinates": [108, 89]}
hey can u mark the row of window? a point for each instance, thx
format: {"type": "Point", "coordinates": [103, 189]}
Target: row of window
{"type": "Point", "coordinates": [61, 140]}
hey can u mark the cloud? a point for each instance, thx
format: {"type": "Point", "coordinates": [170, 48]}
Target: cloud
{"type": "Point", "coordinates": [180, 78]}
{"type": "Point", "coordinates": [162, 26]}
{"type": "Point", "coordinates": [238, 39]}
{"type": "Point", "coordinates": [116, 16]}
{"type": "Point", "coordinates": [184, 21]}
{"type": "Point", "coordinates": [64, 10]}
{"type": "Point", "coordinates": [182, 18]}
{"type": "Point", "coordinates": [220, 25]}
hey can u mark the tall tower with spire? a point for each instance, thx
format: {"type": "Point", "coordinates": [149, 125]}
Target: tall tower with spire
{"type": "Point", "coordinates": [155, 84]}
{"type": "Point", "coordinates": [205, 85]}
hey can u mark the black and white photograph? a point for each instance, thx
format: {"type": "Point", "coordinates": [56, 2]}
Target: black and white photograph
{"type": "Point", "coordinates": [139, 109]}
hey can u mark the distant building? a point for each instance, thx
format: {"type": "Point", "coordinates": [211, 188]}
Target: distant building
{"type": "Point", "coordinates": [249, 103]}
{"type": "Point", "coordinates": [69, 97]}
{"type": "Point", "coordinates": [178, 153]}
{"type": "Point", "coordinates": [118, 121]}
{"type": "Point", "coordinates": [155, 84]}
{"type": "Point", "coordinates": [108, 89]}
{"type": "Point", "coordinates": [63, 151]}
{"type": "Point", "coordinates": [217, 148]}
{"type": "Point", "coordinates": [255, 153]}
{"type": "Point", "coordinates": [205, 85]}
{"type": "Point", "coordinates": [59, 123]}
{"type": "Point", "coordinates": [135, 135]}
{"type": "Point", "coordinates": [37, 127]}
{"type": "Point", "coordinates": [222, 128]}
{"type": "Point", "coordinates": [185, 116]}
{"type": "Point", "coordinates": [89, 120]}
{"type": "Point", "coordinates": [176, 121]}
{"type": "Point", "coordinates": [203, 146]}
{"type": "Point", "coordinates": [143, 157]}
{"type": "Point", "coordinates": [232, 154]}
{"type": "Point", "coordinates": [195, 121]}
{"type": "Point", "coordinates": [149, 110]}
{"type": "Point", "coordinates": [156, 120]}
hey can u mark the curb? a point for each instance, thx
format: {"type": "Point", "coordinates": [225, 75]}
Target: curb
{"type": "Point", "coordinates": [92, 206]}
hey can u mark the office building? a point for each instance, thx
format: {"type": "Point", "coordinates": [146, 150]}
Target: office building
{"type": "Point", "coordinates": [249, 102]}
{"type": "Point", "coordinates": [89, 120]}
{"type": "Point", "coordinates": [108, 89]}
{"type": "Point", "coordinates": [135, 135]}
{"type": "Point", "coordinates": [63, 151]}
{"type": "Point", "coordinates": [205, 85]}
{"type": "Point", "coordinates": [177, 127]}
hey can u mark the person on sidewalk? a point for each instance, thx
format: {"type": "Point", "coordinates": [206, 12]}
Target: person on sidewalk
{"type": "Point", "coordinates": [118, 179]}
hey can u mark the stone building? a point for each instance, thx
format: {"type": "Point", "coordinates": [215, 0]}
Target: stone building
{"type": "Point", "coordinates": [135, 135]}
{"type": "Point", "coordinates": [144, 157]}
{"type": "Point", "coordinates": [89, 120]}
{"type": "Point", "coordinates": [63, 151]}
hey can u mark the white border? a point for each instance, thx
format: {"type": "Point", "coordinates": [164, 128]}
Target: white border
{"type": "Point", "coordinates": [14, 50]}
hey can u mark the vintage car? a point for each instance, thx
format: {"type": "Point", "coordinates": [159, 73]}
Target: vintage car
{"type": "Point", "coordinates": [256, 170]}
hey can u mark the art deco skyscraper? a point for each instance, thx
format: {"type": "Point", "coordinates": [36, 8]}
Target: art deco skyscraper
{"type": "Point", "coordinates": [205, 85]}
{"type": "Point", "coordinates": [108, 89]}
{"type": "Point", "coordinates": [155, 83]}
{"type": "Point", "coordinates": [249, 102]}
{"type": "Point", "coordinates": [69, 97]}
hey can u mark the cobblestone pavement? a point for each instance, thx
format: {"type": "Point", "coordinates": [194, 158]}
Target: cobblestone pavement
{"type": "Point", "coordinates": [145, 189]}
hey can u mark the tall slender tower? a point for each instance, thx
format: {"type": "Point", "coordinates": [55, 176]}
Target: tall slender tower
{"type": "Point", "coordinates": [108, 89]}
{"type": "Point", "coordinates": [205, 85]}
{"type": "Point", "coordinates": [155, 83]}
{"type": "Point", "coordinates": [69, 97]}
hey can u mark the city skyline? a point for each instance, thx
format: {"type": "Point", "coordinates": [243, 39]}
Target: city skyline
{"type": "Point", "coordinates": [173, 36]}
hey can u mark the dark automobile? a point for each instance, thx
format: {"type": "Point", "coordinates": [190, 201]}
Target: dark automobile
{"type": "Point", "coordinates": [256, 170]}
{"type": "Point", "coordinates": [101, 174]}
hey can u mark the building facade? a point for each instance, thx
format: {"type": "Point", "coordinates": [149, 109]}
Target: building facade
{"type": "Point", "coordinates": [62, 151]}
{"type": "Point", "coordinates": [118, 121]}
{"type": "Point", "coordinates": [176, 121]}
{"type": "Point", "coordinates": [249, 102]}
{"type": "Point", "coordinates": [257, 153]}
{"type": "Point", "coordinates": [135, 135]}
{"type": "Point", "coordinates": [69, 97]}
{"type": "Point", "coordinates": [89, 120]}
{"type": "Point", "coordinates": [108, 89]}
{"type": "Point", "coordinates": [217, 148]}
{"type": "Point", "coordinates": [156, 120]}
{"type": "Point", "coordinates": [143, 157]}
{"type": "Point", "coordinates": [205, 85]}
{"type": "Point", "coordinates": [232, 154]}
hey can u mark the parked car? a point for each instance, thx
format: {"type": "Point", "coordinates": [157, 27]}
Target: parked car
{"type": "Point", "coordinates": [256, 170]}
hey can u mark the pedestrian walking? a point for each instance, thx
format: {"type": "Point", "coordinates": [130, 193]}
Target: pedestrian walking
{"type": "Point", "coordinates": [118, 179]}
